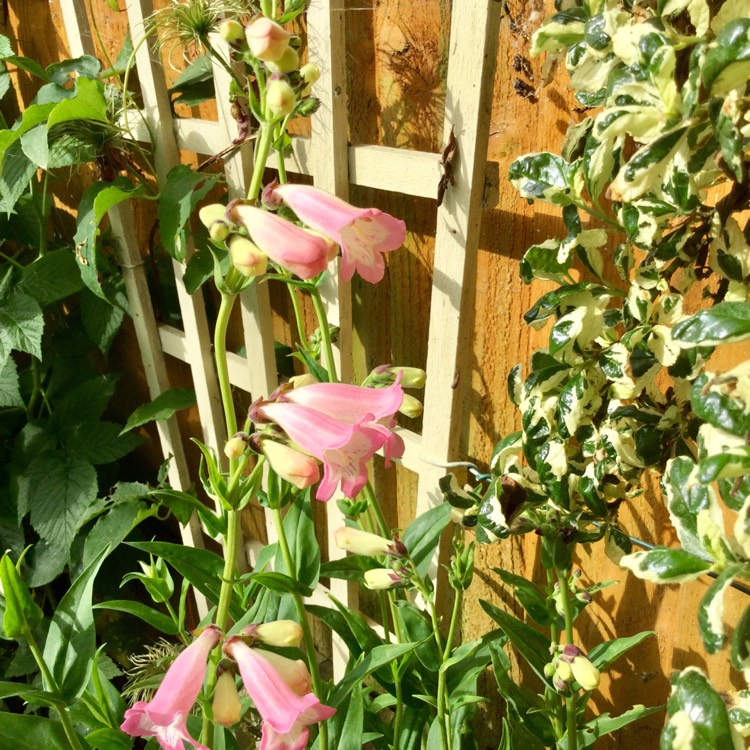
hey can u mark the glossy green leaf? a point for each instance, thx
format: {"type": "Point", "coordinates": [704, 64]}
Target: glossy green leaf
{"type": "Point", "coordinates": [29, 732]}
{"type": "Point", "coordinates": [531, 598]}
{"type": "Point", "coordinates": [605, 654]}
{"type": "Point", "coordinates": [162, 407]}
{"type": "Point", "coordinates": [422, 535]}
{"type": "Point", "coordinates": [158, 620]}
{"type": "Point", "coordinates": [724, 323]}
{"type": "Point", "coordinates": [51, 277]}
{"type": "Point", "coordinates": [727, 63]}
{"type": "Point", "coordinates": [662, 565]}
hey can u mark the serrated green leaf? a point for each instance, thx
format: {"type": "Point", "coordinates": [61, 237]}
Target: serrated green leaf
{"type": "Point", "coordinates": [29, 732]}
{"type": "Point", "coordinates": [15, 175]}
{"type": "Point", "coordinates": [101, 319]}
{"type": "Point", "coordinates": [10, 390]}
{"type": "Point", "coordinates": [161, 622]}
{"type": "Point", "coordinates": [724, 323]}
{"type": "Point", "coordinates": [59, 490]}
{"type": "Point", "coordinates": [99, 442]}
{"type": "Point", "coordinates": [23, 323]}
{"type": "Point", "coordinates": [51, 277]}
{"type": "Point", "coordinates": [88, 103]}
{"type": "Point", "coordinates": [162, 407]}
{"type": "Point", "coordinates": [71, 640]}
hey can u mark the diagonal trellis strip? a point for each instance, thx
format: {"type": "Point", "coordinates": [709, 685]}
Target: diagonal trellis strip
{"type": "Point", "coordinates": [122, 220]}
{"type": "Point", "coordinates": [473, 48]}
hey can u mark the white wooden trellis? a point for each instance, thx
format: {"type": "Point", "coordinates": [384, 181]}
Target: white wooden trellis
{"type": "Point", "coordinates": [334, 165]}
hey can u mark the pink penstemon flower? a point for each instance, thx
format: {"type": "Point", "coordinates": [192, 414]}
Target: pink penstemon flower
{"type": "Point", "coordinates": [286, 714]}
{"type": "Point", "coordinates": [286, 244]}
{"type": "Point", "coordinates": [364, 234]}
{"type": "Point", "coordinates": [165, 715]}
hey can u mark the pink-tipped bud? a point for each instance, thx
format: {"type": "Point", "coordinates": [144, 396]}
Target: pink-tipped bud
{"type": "Point", "coordinates": [292, 671]}
{"type": "Point", "coordinates": [267, 40]}
{"type": "Point", "coordinates": [288, 62]}
{"type": "Point", "coordinates": [280, 98]}
{"type": "Point", "coordinates": [297, 468]}
{"type": "Point", "coordinates": [279, 633]}
{"type": "Point", "coordinates": [235, 448]}
{"type": "Point", "coordinates": [227, 708]}
{"type": "Point", "coordinates": [246, 256]}
{"type": "Point", "coordinates": [379, 579]}
{"type": "Point", "coordinates": [361, 542]}
{"type": "Point", "coordinates": [268, 198]}
{"type": "Point", "coordinates": [586, 674]}
{"type": "Point", "coordinates": [232, 32]}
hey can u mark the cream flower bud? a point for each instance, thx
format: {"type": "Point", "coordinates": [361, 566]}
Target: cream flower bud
{"type": "Point", "coordinates": [563, 671]}
{"type": "Point", "coordinates": [227, 708]}
{"type": "Point", "coordinates": [300, 381]}
{"type": "Point", "coordinates": [361, 542]}
{"type": "Point", "coordinates": [586, 674]}
{"type": "Point", "coordinates": [231, 31]}
{"type": "Point", "coordinates": [234, 448]}
{"type": "Point", "coordinates": [280, 98]}
{"type": "Point", "coordinates": [246, 256]}
{"type": "Point", "coordinates": [382, 578]}
{"type": "Point", "coordinates": [297, 468]}
{"type": "Point", "coordinates": [411, 377]}
{"type": "Point", "coordinates": [211, 213]}
{"type": "Point", "coordinates": [279, 633]}
{"type": "Point", "coordinates": [266, 39]}
{"type": "Point", "coordinates": [288, 62]}
{"type": "Point", "coordinates": [410, 406]}
{"type": "Point", "coordinates": [292, 671]}
{"type": "Point", "coordinates": [310, 73]}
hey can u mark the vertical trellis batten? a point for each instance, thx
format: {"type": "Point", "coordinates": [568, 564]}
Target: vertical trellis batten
{"type": "Point", "coordinates": [142, 312]}
{"type": "Point", "coordinates": [474, 30]}
{"type": "Point", "coordinates": [159, 118]}
{"type": "Point", "coordinates": [327, 49]}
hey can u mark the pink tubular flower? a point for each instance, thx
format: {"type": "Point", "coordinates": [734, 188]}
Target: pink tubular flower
{"type": "Point", "coordinates": [286, 715]}
{"type": "Point", "coordinates": [356, 405]}
{"type": "Point", "coordinates": [165, 715]}
{"type": "Point", "coordinates": [284, 243]}
{"type": "Point", "coordinates": [363, 233]}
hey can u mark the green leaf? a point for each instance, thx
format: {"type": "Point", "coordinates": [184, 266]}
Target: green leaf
{"type": "Point", "coordinates": [662, 565]}
{"type": "Point", "coordinates": [697, 711]}
{"type": "Point", "coordinates": [711, 609]}
{"type": "Point", "coordinates": [300, 532]}
{"type": "Point", "coordinates": [21, 613]}
{"type": "Point", "coordinates": [734, 463]}
{"type": "Point", "coordinates": [15, 176]}
{"type": "Point", "coordinates": [161, 622]}
{"type": "Point", "coordinates": [528, 595]}
{"type": "Point", "coordinates": [59, 489]}
{"type": "Point", "coordinates": [422, 535]}
{"type": "Point", "coordinates": [718, 408]}
{"type": "Point", "coordinates": [34, 145]}
{"type": "Point", "coordinates": [545, 176]}
{"type": "Point", "coordinates": [162, 407]}
{"type": "Point", "coordinates": [727, 63]}
{"type": "Point", "coordinates": [71, 640]}
{"type": "Point", "coordinates": [101, 319]}
{"type": "Point", "coordinates": [349, 568]}
{"type": "Point", "coordinates": [542, 262]}
{"type": "Point", "coordinates": [280, 583]}
{"type": "Point", "coordinates": [376, 658]}
{"type": "Point", "coordinates": [603, 724]}
{"type": "Point", "coordinates": [351, 732]}
{"type": "Point", "coordinates": [605, 654]}
{"type": "Point", "coordinates": [416, 628]}
{"type": "Point", "coordinates": [10, 390]}
{"type": "Point", "coordinates": [51, 277]}
{"type": "Point", "coordinates": [196, 83]}
{"type": "Point", "coordinates": [22, 322]}
{"type": "Point", "coordinates": [530, 643]}
{"type": "Point", "coordinates": [178, 198]}
{"type": "Point", "coordinates": [85, 66]}
{"type": "Point", "coordinates": [741, 642]}
{"type": "Point", "coordinates": [724, 323]}
{"type": "Point", "coordinates": [99, 442]}
{"type": "Point", "coordinates": [29, 732]}
{"type": "Point", "coordinates": [88, 104]}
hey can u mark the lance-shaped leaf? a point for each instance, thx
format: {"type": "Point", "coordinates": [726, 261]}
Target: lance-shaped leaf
{"type": "Point", "coordinates": [711, 609]}
{"type": "Point", "coordinates": [725, 323]}
{"type": "Point", "coordinates": [727, 63]}
{"type": "Point", "coordinates": [21, 613]}
{"type": "Point", "coordinates": [662, 565]}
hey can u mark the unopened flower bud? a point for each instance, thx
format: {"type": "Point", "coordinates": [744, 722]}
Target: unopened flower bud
{"type": "Point", "coordinates": [560, 685]}
{"type": "Point", "coordinates": [279, 633]}
{"type": "Point", "coordinates": [333, 248]}
{"type": "Point", "coordinates": [362, 542]}
{"type": "Point", "coordinates": [300, 381]}
{"type": "Point", "coordinates": [211, 213]}
{"type": "Point", "coordinates": [267, 40]}
{"type": "Point", "coordinates": [227, 708]}
{"type": "Point", "coordinates": [310, 73]}
{"type": "Point", "coordinates": [411, 377]}
{"type": "Point", "coordinates": [246, 256]}
{"type": "Point", "coordinates": [269, 198]}
{"type": "Point", "coordinates": [586, 674]}
{"type": "Point", "coordinates": [292, 671]}
{"type": "Point", "coordinates": [379, 579]}
{"type": "Point", "coordinates": [549, 669]}
{"type": "Point", "coordinates": [280, 98]}
{"type": "Point", "coordinates": [232, 32]}
{"type": "Point", "coordinates": [563, 671]}
{"type": "Point", "coordinates": [297, 468]}
{"type": "Point", "coordinates": [410, 406]}
{"type": "Point", "coordinates": [288, 62]}
{"type": "Point", "coordinates": [219, 231]}
{"type": "Point", "coordinates": [235, 448]}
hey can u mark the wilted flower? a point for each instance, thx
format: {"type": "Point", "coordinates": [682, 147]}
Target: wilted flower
{"type": "Point", "coordinates": [364, 234]}
{"type": "Point", "coordinates": [165, 715]}
{"type": "Point", "coordinates": [266, 39]}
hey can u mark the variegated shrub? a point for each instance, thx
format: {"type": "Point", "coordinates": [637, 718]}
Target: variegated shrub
{"type": "Point", "coordinates": [652, 183]}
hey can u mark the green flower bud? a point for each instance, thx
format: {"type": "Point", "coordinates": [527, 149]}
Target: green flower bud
{"type": "Point", "coordinates": [410, 406]}
{"type": "Point", "coordinates": [232, 32]}
{"type": "Point", "coordinates": [22, 613]}
{"type": "Point", "coordinates": [235, 448]}
{"type": "Point", "coordinates": [310, 73]}
{"type": "Point", "coordinates": [288, 62]}
{"type": "Point", "coordinates": [280, 98]}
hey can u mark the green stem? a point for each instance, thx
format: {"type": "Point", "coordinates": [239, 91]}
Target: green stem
{"type": "Point", "coordinates": [570, 700]}
{"type": "Point", "coordinates": [395, 667]}
{"type": "Point", "coordinates": [262, 149]}
{"type": "Point", "coordinates": [298, 316]}
{"type": "Point", "coordinates": [374, 506]}
{"type": "Point", "coordinates": [312, 657]}
{"type": "Point", "coordinates": [220, 356]}
{"type": "Point", "coordinates": [325, 334]}
{"type": "Point", "coordinates": [280, 166]}
{"type": "Point", "coordinates": [53, 687]}
{"type": "Point", "coordinates": [12, 261]}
